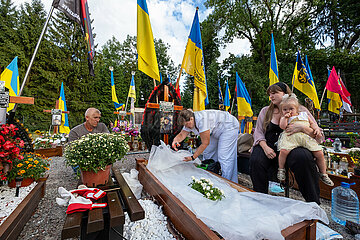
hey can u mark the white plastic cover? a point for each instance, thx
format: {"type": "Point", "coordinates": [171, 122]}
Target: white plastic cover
{"type": "Point", "coordinates": [240, 215]}
{"type": "Point", "coordinates": [133, 182]}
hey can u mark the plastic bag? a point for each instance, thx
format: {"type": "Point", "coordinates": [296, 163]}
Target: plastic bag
{"type": "Point", "coordinates": [325, 233]}
{"type": "Point", "coordinates": [133, 182]}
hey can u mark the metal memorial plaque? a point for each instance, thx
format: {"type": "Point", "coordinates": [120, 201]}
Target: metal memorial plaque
{"type": "Point", "coordinates": [4, 96]}
{"type": "Point", "coordinates": [56, 117]}
{"type": "Point", "coordinates": [2, 86]}
{"type": "Point", "coordinates": [4, 99]}
{"type": "Point", "coordinates": [166, 106]}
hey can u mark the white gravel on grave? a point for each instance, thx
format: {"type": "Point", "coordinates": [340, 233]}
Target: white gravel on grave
{"type": "Point", "coordinates": [153, 226]}
{"type": "Point", "coordinates": [8, 201]}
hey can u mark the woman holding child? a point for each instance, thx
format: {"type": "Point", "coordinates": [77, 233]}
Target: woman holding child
{"type": "Point", "coordinates": [264, 156]}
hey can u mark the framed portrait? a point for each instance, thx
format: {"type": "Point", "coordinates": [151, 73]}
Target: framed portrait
{"type": "Point", "coordinates": [166, 122]}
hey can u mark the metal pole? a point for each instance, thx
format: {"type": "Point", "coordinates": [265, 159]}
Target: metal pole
{"type": "Point", "coordinates": [232, 105]}
{"type": "Point", "coordinates": [34, 54]}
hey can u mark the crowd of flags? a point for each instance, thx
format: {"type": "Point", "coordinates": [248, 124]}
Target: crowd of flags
{"type": "Point", "coordinates": [192, 64]}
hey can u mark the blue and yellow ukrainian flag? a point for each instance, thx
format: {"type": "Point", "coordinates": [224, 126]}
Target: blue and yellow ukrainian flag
{"type": "Point", "coordinates": [227, 97]}
{"type": "Point", "coordinates": [274, 71]}
{"type": "Point", "coordinates": [115, 100]}
{"type": "Point", "coordinates": [193, 64]}
{"type": "Point", "coordinates": [11, 78]}
{"type": "Point", "coordinates": [147, 62]}
{"type": "Point", "coordinates": [302, 81]}
{"type": "Point", "coordinates": [132, 93]}
{"type": "Point", "coordinates": [334, 100]}
{"type": "Point", "coordinates": [64, 127]}
{"type": "Point", "coordinates": [243, 102]}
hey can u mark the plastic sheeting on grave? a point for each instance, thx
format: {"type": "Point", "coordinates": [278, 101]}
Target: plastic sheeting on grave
{"type": "Point", "coordinates": [240, 215]}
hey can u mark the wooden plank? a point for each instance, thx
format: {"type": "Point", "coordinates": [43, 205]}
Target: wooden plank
{"type": "Point", "coordinates": [95, 219]}
{"type": "Point", "coordinates": [116, 212]}
{"type": "Point", "coordinates": [22, 100]}
{"type": "Point", "coordinates": [72, 226]}
{"type": "Point", "coordinates": [152, 105]}
{"type": "Point", "coordinates": [135, 211]}
{"type": "Point", "coordinates": [156, 105]}
{"type": "Point", "coordinates": [50, 152]}
{"type": "Point", "coordinates": [11, 227]}
{"type": "Point", "coordinates": [302, 230]}
{"type": "Point", "coordinates": [192, 227]}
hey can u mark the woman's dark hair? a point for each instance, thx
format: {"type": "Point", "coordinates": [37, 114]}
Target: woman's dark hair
{"type": "Point", "coordinates": [276, 87]}
{"type": "Point", "coordinates": [184, 116]}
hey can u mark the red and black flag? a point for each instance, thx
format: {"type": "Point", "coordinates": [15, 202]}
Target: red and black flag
{"type": "Point", "coordinates": [78, 11]}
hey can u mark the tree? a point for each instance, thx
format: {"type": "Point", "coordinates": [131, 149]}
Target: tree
{"type": "Point", "coordinates": [338, 20]}
{"type": "Point", "coordinates": [254, 20]}
{"type": "Point", "coordinates": [122, 56]}
{"type": "Point", "coordinates": [8, 36]}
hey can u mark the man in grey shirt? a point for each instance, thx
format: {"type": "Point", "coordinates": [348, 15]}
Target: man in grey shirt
{"type": "Point", "coordinates": [91, 125]}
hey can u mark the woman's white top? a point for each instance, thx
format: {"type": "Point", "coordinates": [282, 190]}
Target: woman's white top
{"type": "Point", "coordinates": [214, 120]}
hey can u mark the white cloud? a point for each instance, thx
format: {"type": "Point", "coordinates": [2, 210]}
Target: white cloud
{"type": "Point", "coordinates": [237, 47]}
{"type": "Point", "coordinates": [171, 21]}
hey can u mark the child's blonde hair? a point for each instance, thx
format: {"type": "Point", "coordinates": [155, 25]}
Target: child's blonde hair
{"type": "Point", "coordinates": [289, 99]}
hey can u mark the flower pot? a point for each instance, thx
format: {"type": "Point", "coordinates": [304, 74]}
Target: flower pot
{"type": "Point", "coordinates": [92, 179]}
{"type": "Point", "coordinates": [24, 183]}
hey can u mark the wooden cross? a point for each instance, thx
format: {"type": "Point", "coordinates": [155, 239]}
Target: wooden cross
{"type": "Point", "coordinates": [56, 128]}
{"type": "Point", "coordinates": [156, 105]}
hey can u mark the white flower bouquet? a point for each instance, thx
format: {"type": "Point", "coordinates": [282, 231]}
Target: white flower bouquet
{"type": "Point", "coordinates": [93, 152]}
{"type": "Point", "coordinates": [206, 188]}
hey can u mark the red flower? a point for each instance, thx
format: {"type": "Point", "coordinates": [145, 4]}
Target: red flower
{"type": "Point", "coordinates": [9, 146]}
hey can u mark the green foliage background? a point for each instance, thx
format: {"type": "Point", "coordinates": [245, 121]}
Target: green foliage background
{"type": "Point", "coordinates": [327, 31]}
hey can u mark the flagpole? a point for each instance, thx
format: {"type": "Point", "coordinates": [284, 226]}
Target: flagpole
{"type": "Point", "coordinates": [232, 105]}
{"type": "Point", "coordinates": [34, 55]}
{"type": "Point", "coordinates": [322, 97]}
{"type": "Point", "coordinates": [127, 99]}
{"type": "Point", "coordinates": [178, 79]}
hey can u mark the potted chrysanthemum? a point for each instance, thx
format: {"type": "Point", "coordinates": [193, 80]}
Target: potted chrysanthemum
{"type": "Point", "coordinates": [93, 154]}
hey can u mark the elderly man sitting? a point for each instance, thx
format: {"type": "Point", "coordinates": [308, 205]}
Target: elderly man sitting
{"type": "Point", "coordinates": [91, 125]}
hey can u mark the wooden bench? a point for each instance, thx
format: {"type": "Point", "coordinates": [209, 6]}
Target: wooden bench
{"type": "Point", "coordinates": [189, 225]}
{"type": "Point", "coordinates": [339, 130]}
{"type": "Point", "coordinates": [105, 223]}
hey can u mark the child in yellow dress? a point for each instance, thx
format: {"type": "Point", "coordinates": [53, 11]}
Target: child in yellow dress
{"type": "Point", "coordinates": [290, 113]}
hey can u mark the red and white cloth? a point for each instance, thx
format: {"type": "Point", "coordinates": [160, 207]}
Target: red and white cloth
{"type": "Point", "coordinates": [80, 200]}
{"type": "Point", "coordinates": [90, 193]}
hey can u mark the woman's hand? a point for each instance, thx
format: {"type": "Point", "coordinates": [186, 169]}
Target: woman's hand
{"type": "Point", "coordinates": [317, 132]}
{"type": "Point", "coordinates": [294, 128]}
{"type": "Point", "coordinates": [175, 145]}
{"type": "Point", "coordinates": [269, 152]}
{"type": "Point", "coordinates": [187, 159]}
{"type": "Point", "coordinates": [298, 127]}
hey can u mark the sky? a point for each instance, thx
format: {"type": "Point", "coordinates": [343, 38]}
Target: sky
{"type": "Point", "coordinates": [171, 21]}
